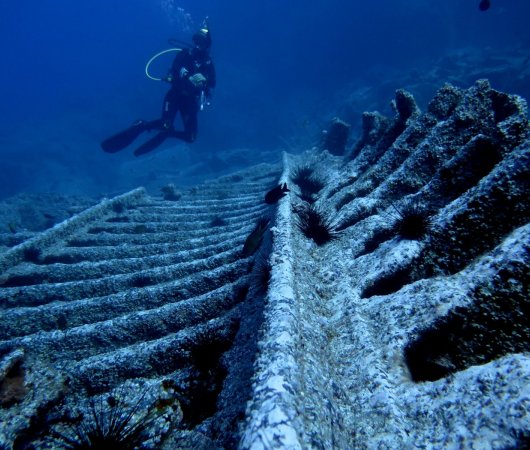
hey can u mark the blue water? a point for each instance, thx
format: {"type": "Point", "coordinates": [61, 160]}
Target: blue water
{"type": "Point", "coordinates": [73, 73]}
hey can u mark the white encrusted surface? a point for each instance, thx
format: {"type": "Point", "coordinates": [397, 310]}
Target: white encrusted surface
{"type": "Point", "coordinates": [343, 350]}
{"type": "Point", "coordinates": [274, 410]}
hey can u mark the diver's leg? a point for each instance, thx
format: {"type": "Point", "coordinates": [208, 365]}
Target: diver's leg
{"type": "Point", "coordinates": [187, 135]}
{"type": "Point", "coordinates": [190, 132]}
{"type": "Point", "coordinates": [165, 124]}
{"type": "Point", "coordinates": [122, 139]}
{"type": "Point", "coordinates": [170, 108]}
{"type": "Point", "coordinates": [153, 125]}
{"type": "Point", "coordinates": [189, 111]}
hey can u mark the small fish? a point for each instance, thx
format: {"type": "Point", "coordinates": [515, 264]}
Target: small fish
{"type": "Point", "coordinates": [484, 5]}
{"type": "Point", "coordinates": [254, 239]}
{"type": "Point", "coordinates": [276, 194]}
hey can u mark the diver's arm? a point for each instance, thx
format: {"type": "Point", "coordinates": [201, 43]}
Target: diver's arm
{"type": "Point", "coordinates": [178, 68]}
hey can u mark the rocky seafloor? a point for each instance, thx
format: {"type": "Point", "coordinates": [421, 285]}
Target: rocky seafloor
{"type": "Point", "coordinates": [386, 305]}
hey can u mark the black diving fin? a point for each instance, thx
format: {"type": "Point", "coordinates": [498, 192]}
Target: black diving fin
{"type": "Point", "coordinates": [124, 138]}
{"type": "Point", "coordinates": [152, 143]}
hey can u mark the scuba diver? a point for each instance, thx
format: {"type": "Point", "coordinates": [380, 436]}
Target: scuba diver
{"type": "Point", "coordinates": [192, 77]}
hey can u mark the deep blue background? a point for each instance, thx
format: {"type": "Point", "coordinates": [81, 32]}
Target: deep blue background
{"type": "Point", "coordinates": [73, 73]}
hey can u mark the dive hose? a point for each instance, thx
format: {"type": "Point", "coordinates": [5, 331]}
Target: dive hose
{"type": "Point", "coordinates": [155, 57]}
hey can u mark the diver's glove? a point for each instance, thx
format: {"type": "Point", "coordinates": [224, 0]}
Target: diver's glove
{"type": "Point", "coordinates": [198, 80]}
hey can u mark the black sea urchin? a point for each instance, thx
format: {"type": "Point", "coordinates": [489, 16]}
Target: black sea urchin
{"type": "Point", "coordinates": [316, 224]}
{"type": "Point", "coordinates": [108, 423]}
{"type": "Point", "coordinates": [414, 221]}
{"type": "Point", "coordinates": [301, 173]}
{"type": "Point", "coordinates": [309, 183]}
{"type": "Point", "coordinates": [261, 275]}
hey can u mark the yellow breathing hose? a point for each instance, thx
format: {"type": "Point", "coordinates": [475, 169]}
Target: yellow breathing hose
{"type": "Point", "coordinates": [155, 57]}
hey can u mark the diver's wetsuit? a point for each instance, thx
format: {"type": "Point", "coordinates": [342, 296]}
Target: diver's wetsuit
{"type": "Point", "coordinates": [184, 97]}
